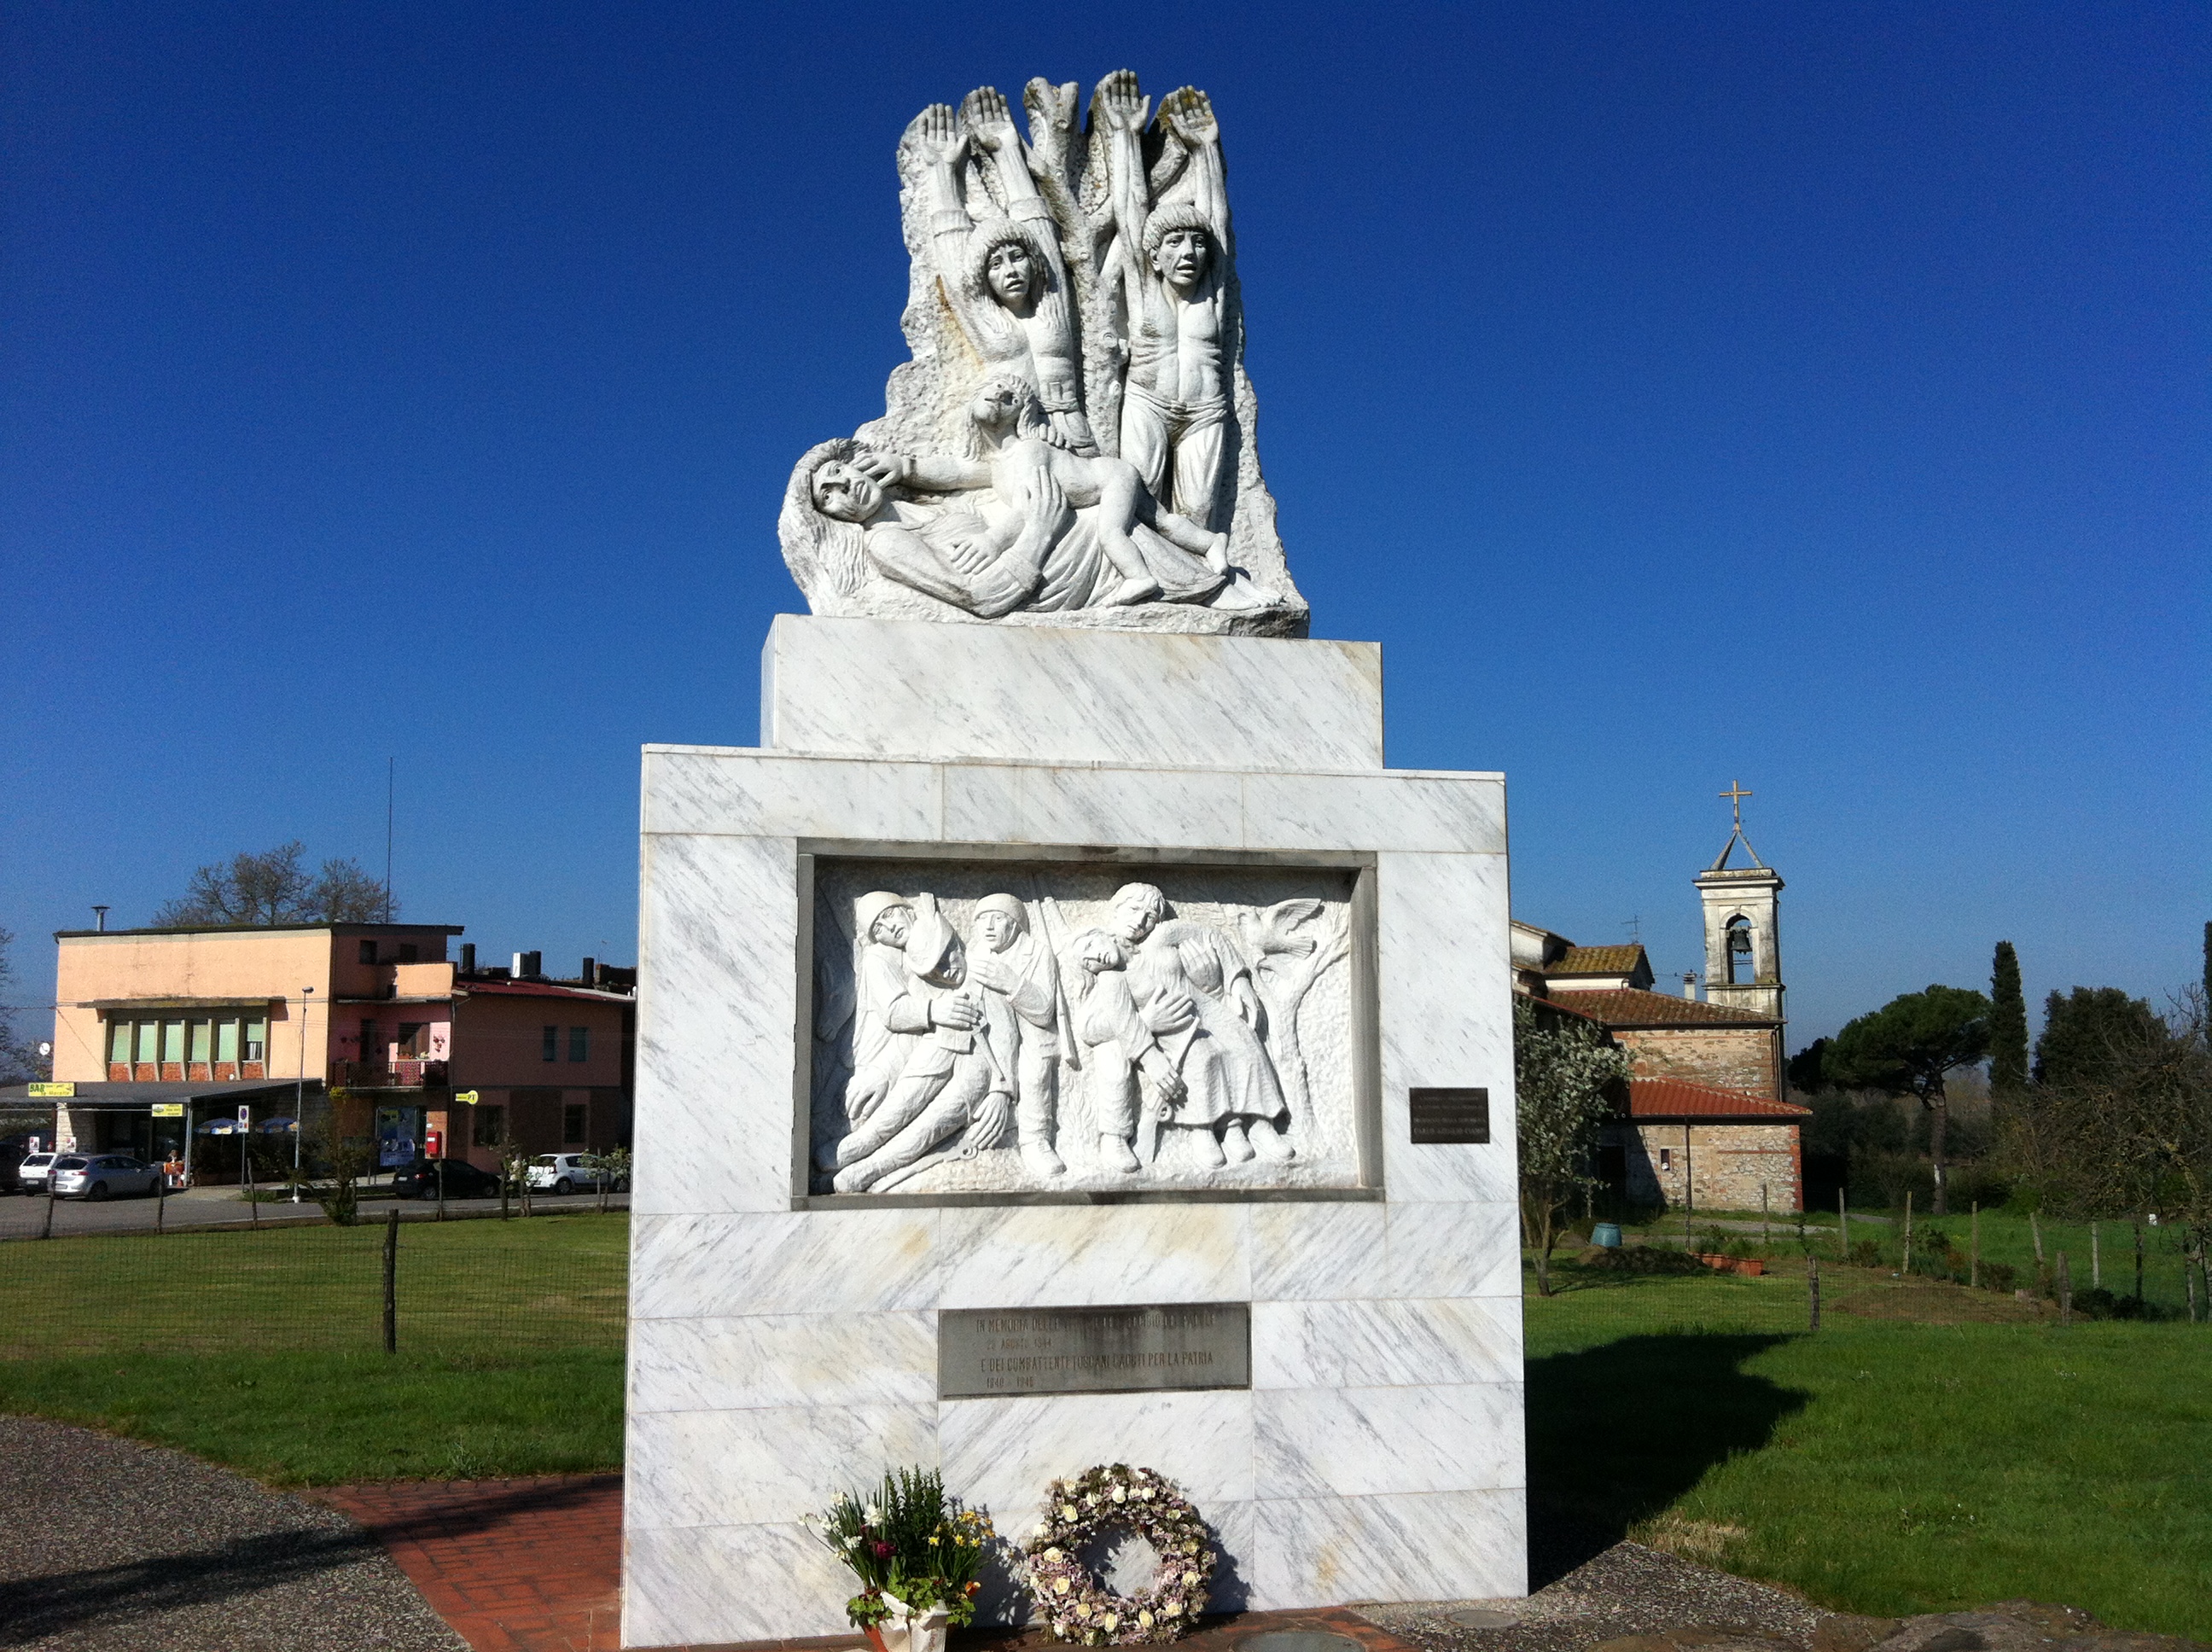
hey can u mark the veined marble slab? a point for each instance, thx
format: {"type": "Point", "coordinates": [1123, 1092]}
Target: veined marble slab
{"type": "Point", "coordinates": [912, 689]}
{"type": "Point", "coordinates": [779, 1354]}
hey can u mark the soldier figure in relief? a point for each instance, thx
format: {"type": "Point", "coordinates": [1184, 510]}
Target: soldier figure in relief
{"type": "Point", "coordinates": [1021, 1009]}
{"type": "Point", "coordinates": [1171, 259]}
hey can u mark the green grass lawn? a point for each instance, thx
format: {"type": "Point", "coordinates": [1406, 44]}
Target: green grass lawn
{"type": "Point", "coordinates": [1931, 1448]}
{"type": "Point", "coordinates": [264, 1350]}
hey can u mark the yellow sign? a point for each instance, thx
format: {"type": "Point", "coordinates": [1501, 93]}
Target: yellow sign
{"type": "Point", "coordinates": [66, 1088]}
{"type": "Point", "coordinates": [168, 1109]}
{"type": "Point", "coordinates": [466, 1097]}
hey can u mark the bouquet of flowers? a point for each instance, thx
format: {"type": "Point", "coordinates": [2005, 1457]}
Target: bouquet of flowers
{"type": "Point", "coordinates": [913, 1548]}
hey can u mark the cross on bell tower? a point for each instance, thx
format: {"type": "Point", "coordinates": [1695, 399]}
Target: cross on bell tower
{"type": "Point", "coordinates": [1743, 947]}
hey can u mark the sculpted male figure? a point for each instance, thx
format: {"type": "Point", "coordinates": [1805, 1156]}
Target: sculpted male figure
{"type": "Point", "coordinates": [1122, 1042]}
{"type": "Point", "coordinates": [1021, 1009]}
{"type": "Point", "coordinates": [1005, 279]}
{"type": "Point", "coordinates": [1174, 404]}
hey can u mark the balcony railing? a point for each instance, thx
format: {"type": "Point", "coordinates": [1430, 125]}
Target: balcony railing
{"type": "Point", "coordinates": [388, 1075]}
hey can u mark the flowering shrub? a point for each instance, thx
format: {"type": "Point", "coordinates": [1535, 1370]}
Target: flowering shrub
{"type": "Point", "coordinates": [1072, 1601]}
{"type": "Point", "coordinates": [911, 1546]}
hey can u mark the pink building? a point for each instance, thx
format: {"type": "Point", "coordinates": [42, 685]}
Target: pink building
{"type": "Point", "coordinates": [376, 1016]}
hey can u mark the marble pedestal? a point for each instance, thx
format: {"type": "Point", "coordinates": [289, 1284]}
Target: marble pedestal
{"type": "Point", "coordinates": [784, 1346]}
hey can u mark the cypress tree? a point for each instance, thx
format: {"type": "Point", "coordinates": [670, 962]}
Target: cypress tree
{"type": "Point", "coordinates": [2208, 960]}
{"type": "Point", "coordinates": [2007, 1024]}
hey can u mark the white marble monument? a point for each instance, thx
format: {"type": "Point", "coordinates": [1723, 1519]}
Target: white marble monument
{"type": "Point", "coordinates": [1066, 945]}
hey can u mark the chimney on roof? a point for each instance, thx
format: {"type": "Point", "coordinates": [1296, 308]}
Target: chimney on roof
{"type": "Point", "coordinates": [591, 975]}
{"type": "Point", "coordinates": [528, 964]}
{"type": "Point", "coordinates": [468, 957]}
{"type": "Point", "coordinates": [101, 918]}
{"type": "Point", "coordinates": [1690, 984]}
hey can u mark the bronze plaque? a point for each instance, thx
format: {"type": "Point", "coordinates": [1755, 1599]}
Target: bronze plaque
{"type": "Point", "coordinates": [985, 1351]}
{"type": "Point", "coordinates": [1448, 1117]}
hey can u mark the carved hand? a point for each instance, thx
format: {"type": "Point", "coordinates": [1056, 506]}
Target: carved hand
{"type": "Point", "coordinates": [1040, 499]}
{"type": "Point", "coordinates": [1168, 1012]}
{"type": "Point", "coordinates": [1165, 1078]}
{"type": "Point", "coordinates": [991, 972]}
{"type": "Point", "coordinates": [1119, 103]}
{"type": "Point", "coordinates": [988, 123]}
{"type": "Point", "coordinates": [959, 1011]}
{"type": "Point", "coordinates": [1189, 113]}
{"type": "Point", "coordinates": [890, 469]}
{"type": "Point", "coordinates": [939, 138]}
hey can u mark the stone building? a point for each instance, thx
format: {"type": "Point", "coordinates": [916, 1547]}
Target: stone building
{"type": "Point", "coordinates": [1707, 1115]}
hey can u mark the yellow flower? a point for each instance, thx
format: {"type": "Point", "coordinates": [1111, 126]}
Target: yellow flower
{"type": "Point", "coordinates": [1174, 1608]}
{"type": "Point", "coordinates": [1120, 1496]}
{"type": "Point", "coordinates": [1082, 1609]}
{"type": "Point", "coordinates": [1110, 1621]}
{"type": "Point", "coordinates": [1144, 1620]}
{"type": "Point", "coordinates": [1060, 1586]}
{"type": "Point", "coordinates": [1067, 1511]}
{"type": "Point", "coordinates": [1052, 1554]}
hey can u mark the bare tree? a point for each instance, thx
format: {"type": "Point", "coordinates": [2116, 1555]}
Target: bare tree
{"type": "Point", "coordinates": [18, 1061]}
{"type": "Point", "coordinates": [275, 887]}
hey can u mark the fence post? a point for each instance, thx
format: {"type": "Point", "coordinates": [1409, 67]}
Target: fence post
{"type": "Point", "coordinates": [2189, 1280]}
{"type": "Point", "coordinates": [2096, 1260]}
{"type": "Point", "coordinates": [1908, 1233]}
{"type": "Point", "coordinates": [2035, 1232]}
{"type": "Point", "coordinates": [47, 1231]}
{"type": "Point", "coordinates": [1764, 1238]}
{"type": "Point", "coordinates": [2139, 1295]}
{"type": "Point", "coordinates": [1812, 1281]}
{"type": "Point", "coordinates": [161, 1202]}
{"type": "Point", "coordinates": [2065, 1292]}
{"type": "Point", "coordinates": [1974, 1261]}
{"type": "Point", "coordinates": [1843, 1228]}
{"type": "Point", "coordinates": [391, 1280]}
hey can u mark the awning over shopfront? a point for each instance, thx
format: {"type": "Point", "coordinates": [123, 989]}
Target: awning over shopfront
{"type": "Point", "coordinates": [142, 1095]}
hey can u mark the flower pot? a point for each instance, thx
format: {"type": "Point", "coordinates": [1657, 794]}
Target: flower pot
{"type": "Point", "coordinates": [1751, 1267]}
{"type": "Point", "coordinates": [905, 1631]}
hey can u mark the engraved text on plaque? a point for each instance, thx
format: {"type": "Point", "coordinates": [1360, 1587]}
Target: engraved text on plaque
{"type": "Point", "coordinates": [994, 1350]}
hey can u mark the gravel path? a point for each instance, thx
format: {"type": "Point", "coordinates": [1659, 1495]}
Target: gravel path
{"type": "Point", "coordinates": [1626, 1590]}
{"type": "Point", "coordinates": [106, 1544]}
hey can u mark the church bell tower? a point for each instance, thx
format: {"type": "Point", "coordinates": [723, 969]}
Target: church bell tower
{"type": "Point", "coordinates": [1743, 946]}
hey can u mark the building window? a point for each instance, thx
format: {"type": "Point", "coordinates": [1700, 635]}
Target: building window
{"type": "Point", "coordinates": [572, 1124]}
{"type": "Point", "coordinates": [579, 1043]}
{"type": "Point", "coordinates": [226, 1040]}
{"type": "Point", "coordinates": [1666, 1159]}
{"type": "Point", "coordinates": [489, 1128]}
{"type": "Point", "coordinates": [407, 953]}
{"type": "Point", "coordinates": [551, 1047]}
{"type": "Point", "coordinates": [413, 1040]}
{"type": "Point", "coordinates": [368, 951]}
{"type": "Point", "coordinates": [257, 1039]}
{"type": "Point", "coordinates": [199, 1043]}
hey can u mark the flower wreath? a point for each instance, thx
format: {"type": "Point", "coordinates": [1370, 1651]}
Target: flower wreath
{"type": "Point", "coordinates": [1069, 1597]}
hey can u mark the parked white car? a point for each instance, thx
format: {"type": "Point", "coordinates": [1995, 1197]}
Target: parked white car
{"type": "Point", "coordinates": [567, 1173]}
{"type": "Point", "coordinates": [31, 1174]}
{"type": "Point", "coordinates": [103, 1176]}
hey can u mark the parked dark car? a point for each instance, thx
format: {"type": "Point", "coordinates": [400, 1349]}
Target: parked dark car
{"type": "Point", "coordinates": [462, 1179]}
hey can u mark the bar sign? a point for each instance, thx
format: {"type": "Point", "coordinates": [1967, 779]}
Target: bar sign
{"type": "Point", "coordinates": [1449, 1117]}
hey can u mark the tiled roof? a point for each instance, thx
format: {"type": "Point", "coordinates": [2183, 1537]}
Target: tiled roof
{"type": "Point", "coordinates": [1678, 1098]}
{"type": "Point", "coordinates": [1596, 961]}
{"type": "Point", "coordinates": [1627, 1007]}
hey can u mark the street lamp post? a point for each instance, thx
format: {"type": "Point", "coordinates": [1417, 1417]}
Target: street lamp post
{"type": "Point", "coordinates": [300, 1095]}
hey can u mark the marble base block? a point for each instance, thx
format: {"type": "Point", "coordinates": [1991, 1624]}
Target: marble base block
{"type": "Point", "coordinates": [783, 1346]}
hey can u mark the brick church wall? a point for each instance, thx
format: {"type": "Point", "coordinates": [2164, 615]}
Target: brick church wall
{"type": "Point", "coordinates": [1733, 1058]}
{"type": "Point", "coordinates": [1729, 1163]}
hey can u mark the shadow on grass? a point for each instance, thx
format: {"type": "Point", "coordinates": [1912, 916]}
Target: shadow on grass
{"type": "Point", "coordinates": [1618, 1432]}
{"type": "Point", "coordinates": [64, 1603]}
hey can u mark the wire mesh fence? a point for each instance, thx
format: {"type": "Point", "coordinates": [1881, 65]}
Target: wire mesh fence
{"type": "Point", "coordinates": [475, 1286]}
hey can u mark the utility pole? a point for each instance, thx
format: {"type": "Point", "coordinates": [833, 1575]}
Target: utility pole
{"type": "Point", "coordinates": [300, 1094]}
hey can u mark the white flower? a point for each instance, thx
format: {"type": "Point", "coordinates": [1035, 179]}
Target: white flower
{"type": "Point", "coordinates": [872, 1515]}
{"type": "Point", "coordinates": [1144, 1620]}
{"type": "Point", "coordinates": [1040, 1528]}
{"type": "Point", "coordinates": [1147, 1493]}
{"type": "Point", "coordinates": [1067, 1511]}
{"type": "Point", "coordinates": [1090, 1500]}
{"type": "Point", "coordinates": [1052, 1554]}
{"type": "Point", "coordinates": [1082, 1609]}
{"type": "Point", "coordinates": [1120, 1496]}
{"type": "Point", "coordinates": [1174, 1608]}
{"type": "Point", "coordinates": [1060, 1586]}
{"type": "Point", "coordinates": [1191, 1578]}
{"type": "Point", "coordinates": [1110, 1621]}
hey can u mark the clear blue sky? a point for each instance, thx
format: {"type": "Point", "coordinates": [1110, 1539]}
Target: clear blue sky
{"type": "Point", "coordinates": [1814, 395]}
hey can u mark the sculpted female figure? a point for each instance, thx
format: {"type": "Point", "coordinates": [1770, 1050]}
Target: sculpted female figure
{"type": "Point", "coordinates": [1005, 279]}
{"type": "Point", "coordinates": [1036, 527]}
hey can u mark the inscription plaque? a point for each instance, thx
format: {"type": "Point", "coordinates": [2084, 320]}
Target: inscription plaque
{"type": "Point", "coordinates": [1449, 1117]}
{"type": "Point", "coordinates": [983, 1352]}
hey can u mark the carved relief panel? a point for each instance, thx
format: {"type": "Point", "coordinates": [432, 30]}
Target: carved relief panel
{"type": "Point", "coordinates": [1007, 1027]}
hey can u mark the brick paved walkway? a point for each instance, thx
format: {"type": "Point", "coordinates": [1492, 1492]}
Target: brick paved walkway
{"type": "Point", "coordinates": [535, 1565]}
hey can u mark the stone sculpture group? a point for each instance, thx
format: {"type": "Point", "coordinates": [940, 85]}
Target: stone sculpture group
{"type": "Point", "coordinates": [938, 1048]}
{"type": "Point", "coordinates": [1074, 438]}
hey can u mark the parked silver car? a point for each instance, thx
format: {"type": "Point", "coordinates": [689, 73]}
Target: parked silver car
{"type": "Point", "coordinates": [31, 1174]}
{"type": "Point", "coordinates": [102, 1175]}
